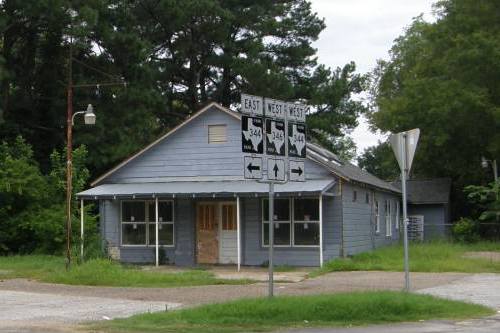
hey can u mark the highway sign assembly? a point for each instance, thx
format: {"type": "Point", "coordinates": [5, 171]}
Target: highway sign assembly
{"type": "Point", "coordinates": [282, 124]}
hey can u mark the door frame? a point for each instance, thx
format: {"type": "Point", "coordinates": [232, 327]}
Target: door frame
{"type": "Point", "coordinates": [218, 208]}
{"type": "Point", "coordinates": [234, 204]}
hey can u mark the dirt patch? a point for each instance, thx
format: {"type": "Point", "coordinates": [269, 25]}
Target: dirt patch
{"type": "Point", "coordinates": [490, 255]}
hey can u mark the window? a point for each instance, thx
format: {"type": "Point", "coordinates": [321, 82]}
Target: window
{"type": "Point", "coordinates": [217, 134]}
{"type": "Point", "coordinates": [367, 198]}
{"type": "Point", "coordinates": [228, 217]}
{"type": "Point", "coordinates": [299, 229]}
{"type": "Point", "coordinates": [397, 215]}
{"type": "Point", "coordinates": [354, 196]}
{"type": "Point", "coordinates": [377, 217]}
{"type": "Point", "coordinates": [282, 228]}
{"type": "Point", "coordinates": [139, 223]}
{"type": "Point", "coordinates": [306, 222]}
{"type": "Point", "coordinates": [388, 220]}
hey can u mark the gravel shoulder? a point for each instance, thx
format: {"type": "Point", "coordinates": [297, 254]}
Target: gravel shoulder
{"type": "Point", "coordinates": [189, 296]}
{"type": "Point", "coordinates": [31, 306]}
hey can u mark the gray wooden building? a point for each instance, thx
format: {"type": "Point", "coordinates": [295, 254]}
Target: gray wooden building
{"type": "Point", "coordinates": [190, 182]}
{"type": "Point", "coordinates": [428, 208]}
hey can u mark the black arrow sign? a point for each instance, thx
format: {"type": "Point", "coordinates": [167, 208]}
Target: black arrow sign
{"type": "Point", "coordinates": [252, 168]}
{"type": "Point", "coordinates": [299, 171]}
{"type": "Point", "coordinates": [275, 169]}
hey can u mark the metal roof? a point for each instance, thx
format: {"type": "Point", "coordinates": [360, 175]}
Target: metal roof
{"type": "Point", "coordinates": [208, 188]}
{"type": "Point", "coordinates": [346, 170]}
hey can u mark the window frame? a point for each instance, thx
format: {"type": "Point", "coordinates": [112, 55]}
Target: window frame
{"type": "Point", "coordinates": [210, 126]}
{"type": "Point", "coordinates": [291, 221]}
{"type": "Point", "coordinates": [377, 215]}
{"type": "Point", "coordinates": [264, 222]}
{"type": "Point", "coordinates": [302, 222]}
{"type": "Point", "coordinates": [388, 218]}
{"type": "Point", "coordinates": [147, 222]}
{"type": "Point", "coordinates": [398, 214]}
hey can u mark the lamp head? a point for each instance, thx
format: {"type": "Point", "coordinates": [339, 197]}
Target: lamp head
{"type": "Point", "coordinates": [484, 162]}
{"type": "Point", "coordinates": [89, 115]}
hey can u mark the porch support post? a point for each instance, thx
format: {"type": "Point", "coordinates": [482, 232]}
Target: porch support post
{"type": "Point", "coordinates": [321, 230]}
{"type": "Point", "coordinates": [238, 231]}
{"type": "Point", "coordinates": [156, 232]}
{"type": "Point", "coordinates": [82, 213]}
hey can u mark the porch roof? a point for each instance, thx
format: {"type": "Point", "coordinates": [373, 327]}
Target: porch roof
{"type": "Point", "coordinates": [204, 188]}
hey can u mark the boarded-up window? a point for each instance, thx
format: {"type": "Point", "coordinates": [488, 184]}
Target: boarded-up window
{"type": "Point", "coordinates": [206, 217]}
{"type": "Point", "coordinates": [228, 217]}
{"type": "Point", "coordinates": [217, 134]}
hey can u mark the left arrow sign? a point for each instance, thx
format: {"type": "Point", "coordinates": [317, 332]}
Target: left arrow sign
{"type": "Point", "coordinates": [252, 167]}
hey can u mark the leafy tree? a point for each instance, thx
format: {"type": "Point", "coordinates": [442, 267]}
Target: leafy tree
{"type": "Point", "coordinates": [32, 214]}
{"type": "Point", "coordinates": [487, 200]}
{"type": "Point", "coordinates": [380, 161]}
{"type": "Point", "coordinates": [443, 78]}
{"type": "Point", "coordinates": [336, 112]}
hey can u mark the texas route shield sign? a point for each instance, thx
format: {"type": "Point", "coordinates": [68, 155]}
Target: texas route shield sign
{"type": "Point", "coordinates": [296, 140]}
{"type": "Point", "coordinates": [252, 135]}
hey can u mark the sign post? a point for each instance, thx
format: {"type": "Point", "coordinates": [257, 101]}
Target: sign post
{"type": "Point", "coordinates": [265, 130]}
{"type": "Point", "coordinates": [271, 239]}
{"type": "Point", "coordinates": [404, 145]}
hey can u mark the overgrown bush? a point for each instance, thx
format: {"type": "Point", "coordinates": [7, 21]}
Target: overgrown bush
{"type": "Point", "coordinates": [465, 230]}
{"type": "Point", "coordinates": [32, 205]}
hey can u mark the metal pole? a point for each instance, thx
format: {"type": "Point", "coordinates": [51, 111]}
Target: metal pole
{"type": "Point", "coordinates": [405, 216]}
{"type": "Point", "coordinates": [495, 170]}
{"type": "Point", "coordinates": [81, 229]}
{"type": "Point", "coordinates": [321, 230]}
{"type": "Point", "coordinates": [156, 233]}
{"type": "Point", "coordinates": [238, 235]}
{"type": "Point", "coordinates": [271, 238]}
{"type": "Point", "coordinates": [69, 147]}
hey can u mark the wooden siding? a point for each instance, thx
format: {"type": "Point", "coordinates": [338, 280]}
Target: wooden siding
{"type": "Point", "coordinates": [332, 224]}
{"type": "Point", "coordinates": [187, 153]}
{"type": "Point", "coordinates": [434, 220]}
{"type": "Point", "coordinates": [359, 220]}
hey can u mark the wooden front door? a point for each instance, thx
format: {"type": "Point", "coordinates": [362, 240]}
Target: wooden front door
{"type": "Point", "coordinates": [206, 233]}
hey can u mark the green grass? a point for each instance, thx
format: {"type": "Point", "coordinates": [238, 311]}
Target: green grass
{"type": "Point", "coordinates": [257, 315]}
{"type": "Point", "coordinates": [424, 257]}
{"type": "Point", "coordinates": [101, 272]}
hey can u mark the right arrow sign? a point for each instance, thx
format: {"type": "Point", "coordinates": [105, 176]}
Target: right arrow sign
{"type": "Point", "coordinates": [297, 171]}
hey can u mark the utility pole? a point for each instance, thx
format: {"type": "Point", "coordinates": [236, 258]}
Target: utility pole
{"type": "Point", "coordinates": [69, 138]}
{"type": "Point", "coordinates": [69, 155]}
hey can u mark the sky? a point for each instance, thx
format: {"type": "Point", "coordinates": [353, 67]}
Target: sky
{"type": "Point", "coordinates": [363, 31]}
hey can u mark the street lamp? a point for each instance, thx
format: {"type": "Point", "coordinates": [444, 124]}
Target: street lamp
{"type": "Point", "coordinates": [484, 164]}
{"type": "Point", "coordinates": [89, 118]}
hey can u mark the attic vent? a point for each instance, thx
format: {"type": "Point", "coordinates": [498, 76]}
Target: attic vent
{"type": "Point", "coordinates": [217, 134]}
